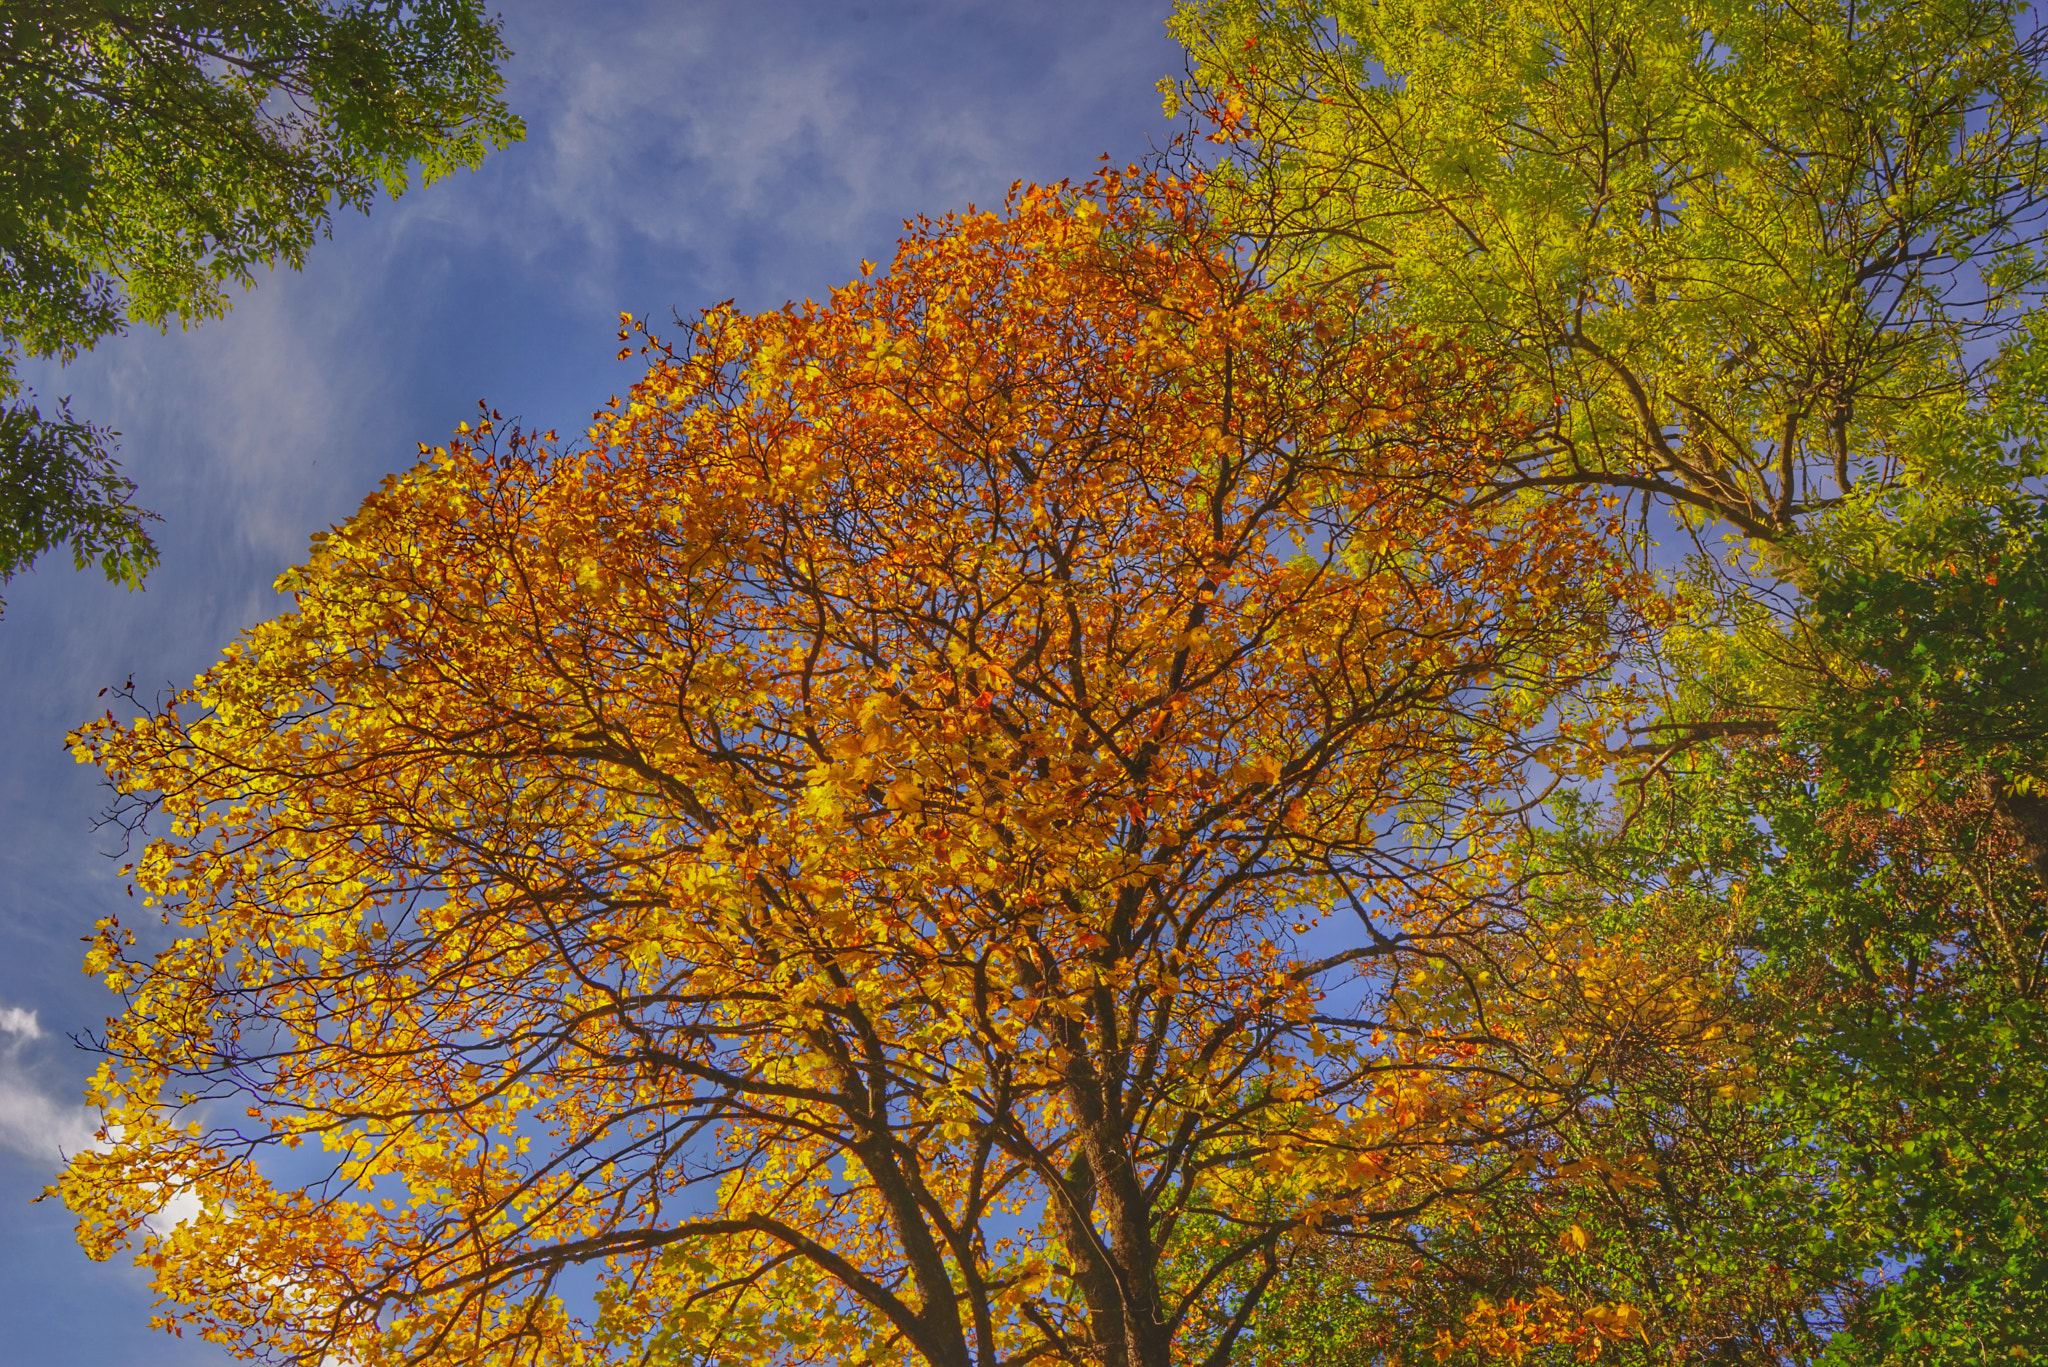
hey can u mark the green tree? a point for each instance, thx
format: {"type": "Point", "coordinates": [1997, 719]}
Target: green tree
{"type": "Point", "coordinates": [1949, 623]}
{"type": "Point", "coordinates": [1771, 267]}
{"type": "Point", "coordinates": [153, 152]}
{"type": "Point", "coordinates": [1894, 979]}
{"type": "Point", "coordinates": [1751, 252]}
{"type": "Point", "coordinates": [1866, 1194]}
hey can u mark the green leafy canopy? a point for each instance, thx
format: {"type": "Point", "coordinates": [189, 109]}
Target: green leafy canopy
{"type": "Point", "coordinates": [153, 152]}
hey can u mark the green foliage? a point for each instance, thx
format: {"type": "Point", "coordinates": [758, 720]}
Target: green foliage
{"type": "Point", "coordinates": [1744, 250]}
{"type": "Point", "coordinates": [1892, 974]}
{"type": "Point", "coordinates": [1902, 975]}
{"type": "Point", "coordinates": [153, 152]}
{"type": "Point", "coordinates": [58, 485]}
{"type": "Point", "coordinates": [1952, 628]}
{"type": "Point", "coordinates": [1770, 265]}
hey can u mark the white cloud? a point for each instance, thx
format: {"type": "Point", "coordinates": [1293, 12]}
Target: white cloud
{"type": "Point", "coordinates": [15, 1021]}
{"type": "Point", "coordinates": [34, 1123]}
{"type": "Point", "coordinates": [176, 1211]}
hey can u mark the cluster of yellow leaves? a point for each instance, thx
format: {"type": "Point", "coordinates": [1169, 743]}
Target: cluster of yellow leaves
{"type": "Point", "coordinates": [1507, 1332]}
{"type": "Point", "coordinates": [830, 853]}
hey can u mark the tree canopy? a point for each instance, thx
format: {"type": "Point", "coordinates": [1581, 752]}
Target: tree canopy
{"type": "Point", "coordinates": [841, 854]}
{"type": "Point", "coordinates": [1774, 269]}
{"type": "Point", "coordinates": [1134, 787]}
{"type": "Point", "coordinates": [154, 152]}
{"type": "Point", "coordinates": [1759, 254]}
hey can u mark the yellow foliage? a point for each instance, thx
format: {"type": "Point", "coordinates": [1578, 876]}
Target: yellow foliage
{"type": "Point", "coordinates": [825, 856]}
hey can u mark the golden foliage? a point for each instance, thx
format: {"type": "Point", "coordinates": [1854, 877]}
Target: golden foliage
{"type": "Point", "coordinates": [839, 855]}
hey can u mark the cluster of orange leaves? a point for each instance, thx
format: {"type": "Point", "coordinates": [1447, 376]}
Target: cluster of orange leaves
{"type": "Point", "coordinates": [1509, 1331]}
{"type": "Point", "coordinates": [831, 853]}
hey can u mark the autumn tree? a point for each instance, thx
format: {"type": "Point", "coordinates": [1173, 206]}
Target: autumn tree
{"type": "Point", "coordinates": [1651, 1223]}
{"type": "Point", "coordinates": [936, 838]}
{"type": "Point", "coordinates": [153, 152]}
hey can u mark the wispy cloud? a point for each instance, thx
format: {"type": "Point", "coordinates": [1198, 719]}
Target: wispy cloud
{"type": "Point", "coordinates": [743, 141]}
{"type": "Point", "coordinates": [34, 1123]}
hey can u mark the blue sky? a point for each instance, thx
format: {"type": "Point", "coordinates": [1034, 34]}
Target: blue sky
{"type": "Point", "coordinates": [677, 154]}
